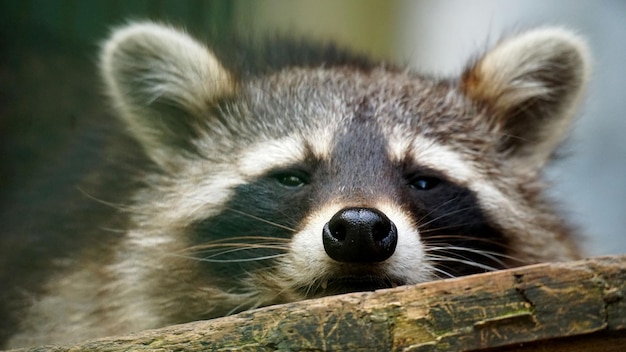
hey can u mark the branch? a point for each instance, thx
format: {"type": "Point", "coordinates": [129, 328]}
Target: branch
{"type": "Point", "coordinates": [572, 306]}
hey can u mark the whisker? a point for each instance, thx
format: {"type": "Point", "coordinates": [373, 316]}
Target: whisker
{"type": "Point", "coordinates": [442, 272]}
{"type": "Point", "coordinates": [117, 206]}
{"type": "Point", "coordinates": [433, 240]}
{"type": "Point", "coordinates": [210, 251]}
{"type": "Point", "coordinates": [213, 247]}
{"type": "Point", "coordinates": [488, 254]}
{"type": "Point", "coordinates": [461, 237]}
{"type": "Point", "coordinates": [112, 230]}
{"type": "Point", "coordinates": [436, 208]}
{"type": "Point", "coordinates": [234, 250]}
{"type": "Point", "coordinates": [251, 302]}
{"type": "Point", "coordinates": [466, 249]}
{"type": "Point", "coordinates": [458, 225]}
{"type": "Point", "coordinates": [249, 241]}
{"type": "Point", "coordinates": [256, 238]}
{"type": "Point", "coordinates": [460, 210]}
{"type": "Point", "coordinates": [462, 261]}
{"type": "Point", "coordinates": [261, 219]}
{"type": "Point", "coordinates": [242, 260]}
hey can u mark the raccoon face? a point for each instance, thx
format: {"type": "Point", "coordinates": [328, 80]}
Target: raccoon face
{"type": "Point", "coordinates": [310, 181]}
{"type": "Point", "coordinates": [367, 205]}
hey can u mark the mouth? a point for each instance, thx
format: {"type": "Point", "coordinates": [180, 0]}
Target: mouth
{"type": "Point", "coordinates": [335, 286]}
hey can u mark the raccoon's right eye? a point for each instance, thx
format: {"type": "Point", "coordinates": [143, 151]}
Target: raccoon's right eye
{"type": "Point", "coordinates": [291, 179]}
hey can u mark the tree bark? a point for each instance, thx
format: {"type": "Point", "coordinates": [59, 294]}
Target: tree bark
{"type": "Point", "coordinates": [574, 306]}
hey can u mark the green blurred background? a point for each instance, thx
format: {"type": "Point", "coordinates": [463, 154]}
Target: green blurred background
{"type": "Point", "coordinates": [361, 24]}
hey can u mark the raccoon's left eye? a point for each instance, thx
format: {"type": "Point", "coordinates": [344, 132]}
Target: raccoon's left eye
{"type": "Point", "coordinates": [424, 183]}
{"type": "Point", "coordinates": [291, 180]}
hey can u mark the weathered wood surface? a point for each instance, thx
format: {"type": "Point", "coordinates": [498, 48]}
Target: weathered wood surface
{"type": "Point", "coordinates": [575, 306]}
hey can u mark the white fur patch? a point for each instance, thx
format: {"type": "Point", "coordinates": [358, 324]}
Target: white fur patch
{"type": "Point", "coordinates": [152, 241]}
{"type": "Point", "coordinates": [309, 259]}
{"type": "Point", "coordinates": [310, 263]}
{"type": "Point", "coordinates": [432, 155]}
{"type": "Point", "coordinates": [265, 156]}
{"type": "Point", "coordinates": [321, 142]}
{"type": "Point", "coordinates": [407, 262]}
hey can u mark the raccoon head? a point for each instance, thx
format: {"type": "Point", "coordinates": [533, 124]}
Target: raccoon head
{"type": "Point", "coordinates": [312, 180]}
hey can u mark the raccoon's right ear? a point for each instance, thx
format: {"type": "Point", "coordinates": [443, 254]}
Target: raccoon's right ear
{"type": "Point", "coordinates": [531, 84]}
{"type": "Point", "coordinates": [161, 82]}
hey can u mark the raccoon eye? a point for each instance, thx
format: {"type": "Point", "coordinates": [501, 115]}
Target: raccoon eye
{"type": "Point", "coordinates": [424, 183]}
{"type": "Point", "coordinates": [291, 180]}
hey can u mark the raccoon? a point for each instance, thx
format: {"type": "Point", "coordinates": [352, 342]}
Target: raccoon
{"type": "Point", "coordinates": [305, 172]}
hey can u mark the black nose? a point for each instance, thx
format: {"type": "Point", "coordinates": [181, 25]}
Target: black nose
{"type": "Point", "coordinates": [360, 235]}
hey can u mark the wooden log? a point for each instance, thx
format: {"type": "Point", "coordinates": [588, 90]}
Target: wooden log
{"type": "Point", "coordinates": [574, 306]}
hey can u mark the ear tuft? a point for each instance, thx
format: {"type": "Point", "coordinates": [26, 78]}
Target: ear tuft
{"type": "Point", "coordinates": [531, 84]}
{"type": "Point", "coordinates": [161, 81]}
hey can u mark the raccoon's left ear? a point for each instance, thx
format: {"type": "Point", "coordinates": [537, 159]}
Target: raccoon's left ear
{"type": "Point", "coordinates": [162, 81]}
{"type": "Point", "coordinates": [531, 85]}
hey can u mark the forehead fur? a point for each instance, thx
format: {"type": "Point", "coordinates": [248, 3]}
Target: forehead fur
{"type": "Point", "coordinates": [327, 101]}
